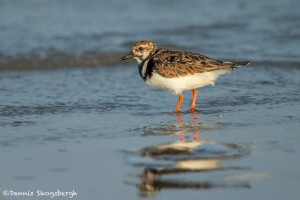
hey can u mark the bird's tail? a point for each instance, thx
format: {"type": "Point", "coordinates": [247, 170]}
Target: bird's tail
{"type": "Point", "coordinates": [236, 64]}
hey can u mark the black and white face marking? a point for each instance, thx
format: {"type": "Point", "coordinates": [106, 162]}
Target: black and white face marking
{"type": "Point", "coordinates": [141, 51]}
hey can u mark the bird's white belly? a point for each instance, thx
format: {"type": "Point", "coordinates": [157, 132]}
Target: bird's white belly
{"type": "Point", "coordinates": [178, 85]}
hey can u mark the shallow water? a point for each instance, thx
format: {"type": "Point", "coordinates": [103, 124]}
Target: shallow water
{"type": "Point", "coordinates": [78, 128]}
{"type": "Point", "coordinates": [103, 133]}
{"type": "Point", "coordinates": [102, 102]}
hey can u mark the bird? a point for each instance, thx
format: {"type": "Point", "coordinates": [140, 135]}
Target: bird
{"type": "Point", "coordinates": [176, 70]}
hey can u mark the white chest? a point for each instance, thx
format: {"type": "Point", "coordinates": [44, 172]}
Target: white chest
{"type": "Point", "coordinates": [178, 85]}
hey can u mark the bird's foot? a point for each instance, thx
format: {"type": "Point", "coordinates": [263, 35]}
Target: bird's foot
{"type": "Point", "coordinates": [192, 110]}
{"type": "Point", "coordinates": [176, 111]}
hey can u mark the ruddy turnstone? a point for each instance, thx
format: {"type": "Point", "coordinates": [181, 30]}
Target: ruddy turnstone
{"type": "Point", "coordinates": [176, 70]}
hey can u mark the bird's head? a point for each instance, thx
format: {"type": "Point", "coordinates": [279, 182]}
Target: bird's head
{"type": "Point", "coordinates": [141, 51]}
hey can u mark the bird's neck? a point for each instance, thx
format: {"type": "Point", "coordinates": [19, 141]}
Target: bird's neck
{"type": "Point", "coordinates": [143, 67]}
{"type": "Point", "coordinates": [146, 66]}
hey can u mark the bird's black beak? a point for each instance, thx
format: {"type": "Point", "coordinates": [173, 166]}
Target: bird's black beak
{"type": "Point", "coordinates": [127, 57]}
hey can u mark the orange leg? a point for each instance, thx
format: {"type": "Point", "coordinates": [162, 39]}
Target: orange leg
{"type": "Point", "coordinates": [179, 102]}
{"type": "Point", "coordinates": [195, 93]}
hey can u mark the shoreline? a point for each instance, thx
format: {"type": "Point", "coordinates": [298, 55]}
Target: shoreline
{"type": "Point", "coordinates": [104, 59]}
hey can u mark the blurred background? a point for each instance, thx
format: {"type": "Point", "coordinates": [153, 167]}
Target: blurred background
{"type": "Point", "coordinates": [44, 33]}
{"type": "Point", "coordinates": [88, 123]}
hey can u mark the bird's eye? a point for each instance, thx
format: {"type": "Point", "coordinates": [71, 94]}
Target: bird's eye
{"type": "Point", "coordinates": [140, 48]}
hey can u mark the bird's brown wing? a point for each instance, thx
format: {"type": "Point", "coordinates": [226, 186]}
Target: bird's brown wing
{"type": "Point", "coordinates": [171, 64]}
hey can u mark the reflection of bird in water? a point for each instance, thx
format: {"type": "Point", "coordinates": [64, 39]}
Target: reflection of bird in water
{"type": "Point", "coordinates": [180, 120]}
{"type": "Point", "coordinates": [186, 156]}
